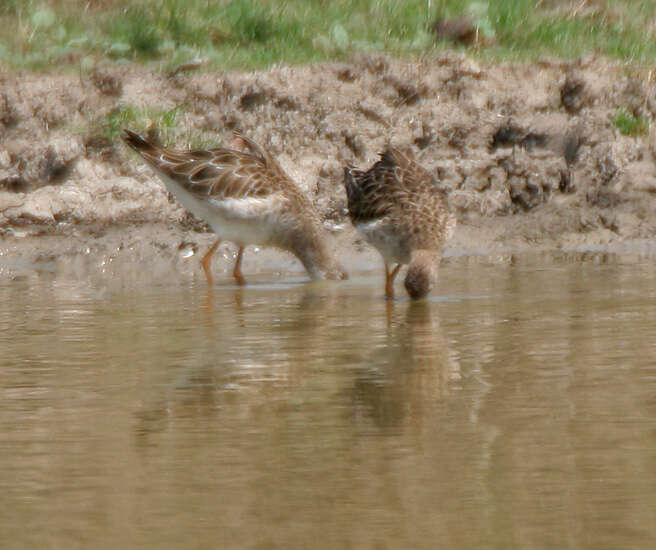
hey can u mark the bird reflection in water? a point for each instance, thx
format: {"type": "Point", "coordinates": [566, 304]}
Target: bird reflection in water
{"type": "Point", "coordinates": [399, 383]}
{"type": "Point", "coordinates": [247, 340]}
{"type": "Point", "coordinates": [306, 348]}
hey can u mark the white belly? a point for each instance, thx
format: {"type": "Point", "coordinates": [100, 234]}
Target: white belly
{"type": "Point", "coordinates": [242, 221]}
{"type": "Point", "coordinates": [386, 240]}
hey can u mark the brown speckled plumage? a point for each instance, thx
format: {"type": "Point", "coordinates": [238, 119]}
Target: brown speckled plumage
{"type": "Point", "coordinates": [397, 206]}
{"type": "Point", "coordinates": [246, 198]}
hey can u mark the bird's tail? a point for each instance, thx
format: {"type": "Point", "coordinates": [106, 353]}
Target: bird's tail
{"type": "Point", "coordinates": [139, 144]}
{"type": "Point", "coordinates": [353, 189]}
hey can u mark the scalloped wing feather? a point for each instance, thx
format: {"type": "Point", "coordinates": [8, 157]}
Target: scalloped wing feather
{"type": "Point", "coordinates": [218, 172]}
{"type": "Point", "coordinates": [403, 198]}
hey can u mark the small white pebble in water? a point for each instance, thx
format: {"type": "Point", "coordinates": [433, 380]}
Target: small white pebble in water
{"type": "Point", "coordinates": [19, 233]}
{"type": "Point", "coordinates": [86, 250]}
{"type": "Point", "coordinates": [187, 249]}
{"type": "Point", "coordinates": [333, 227]}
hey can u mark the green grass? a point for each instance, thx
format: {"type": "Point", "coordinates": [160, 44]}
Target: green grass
{"type": "Point", "coordinates": [111, 124]}
{"type": "Point", "coordinates": [142, 119]}
{"type": "Point", "coordinates": [40, 34]}
{"type": "Point", "coordinates": [629, 124]}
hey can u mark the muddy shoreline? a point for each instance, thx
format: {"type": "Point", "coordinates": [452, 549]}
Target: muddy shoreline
{"type": "Point", "coordinates": [527, 152]}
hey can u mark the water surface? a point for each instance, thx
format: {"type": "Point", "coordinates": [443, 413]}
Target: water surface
{"type": "Point", "coordinates": [515, 408]}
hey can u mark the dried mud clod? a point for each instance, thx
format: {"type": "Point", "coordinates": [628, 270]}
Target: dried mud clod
{"type": "Point", "coordinates": [507, 135]}
{"type": "Point", "coordinates": [603, 197]}
{"type": "Point", "coordinates": [531, 181]}
{"type": "Point", "coordinates": [56, 166]}
{"type": "Point", "coordinates": [107, 83]}
{"type": "Point", "coordinates": [610, 222]}
{"type": "Point", "coordinates": [572, 145]}
{"type": "Point", "coordinates": [453, 86]}
{"type": "Point", "coordinates": [510, 134]}
{"type": "Point", "coordinates": [230, 121]}
{"type": "Point", "coordinates": [8, 115]}
{"type": "Point", "coordinates": [99, 146]}
{"type": "Point", "coordinates": [572, 94]}
{"type": "Point", "coordinates": [253, 98]}
{"type": "Point", "coordinates": [456, 136]}
{"type": "Point", "coordinates": [258, 96]}
{"type": "Point", "coordinates": [345, 73]}
{"type": "Point", "coordinates": [526, 194]}
{"type": "Point", "coordinates": [566, 183]}
{"type": "Point", "coordinates": [424, 139]}
{"type": "Point", "coordinates": [10, 176]}
{"type": "Point", "coordinates": [354, 143]}
{"type": "Point", "coordinates": [408, 94]}
{"type": "Point", "coordinates": [331, 203]}
{"type": "Point", "coordinates": [606, 170]}
{"type": "Point", "coordinates": [375, 65]}
{"type": "Point", "coordinates": [202, 95]}
{"type": "Point", "coordinates": [634, 97]}
{"type": "Point", "coordinates": [371, 114]}
{"type": "Point", "coordinates": [192, 223]}
{"type": "Point", "coordinates": [35, 166]}
{"type": "Point", "coordinates": [650, 93]}
{"type": "Point", "coordinates": [287, 103]}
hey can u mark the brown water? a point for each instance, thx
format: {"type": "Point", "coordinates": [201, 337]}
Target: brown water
{"type": "Point", "coordinates": [514, 409]}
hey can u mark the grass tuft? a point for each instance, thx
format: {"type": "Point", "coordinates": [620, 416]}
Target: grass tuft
{"type": "Point", "coordinates": [145, 120]}
{"type": "Point", "coordinates": [629, 124]}
{"type": "Point", "coordinates": [249, 21]}
{"type": "Point", "coordinates": [139, 119]}
{"type": "Point", "coordinates": [136, 30]}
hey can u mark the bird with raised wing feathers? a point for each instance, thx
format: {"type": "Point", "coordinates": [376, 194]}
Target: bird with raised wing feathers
{"type": "Point", "coordinates": [398, 207]}
{"type": "Point", "coordinates": [246, 198]}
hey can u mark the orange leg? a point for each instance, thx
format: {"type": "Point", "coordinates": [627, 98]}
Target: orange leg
{"type": "Point", "coordinates": [205, 262]}
{"type": "Point", "coordinates": [389, 280]}
{"type": "Point", "coordinates": [389, 309]}
{"type": "Point", "coordinates": [236, 272]}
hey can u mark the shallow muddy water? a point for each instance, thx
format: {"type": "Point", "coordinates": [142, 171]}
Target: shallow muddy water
{"type": "Point", "coordinates": [516, 408]}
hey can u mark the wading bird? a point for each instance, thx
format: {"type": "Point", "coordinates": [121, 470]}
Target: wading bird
{"type": "Point", "coordinates": [398, 207]}
{"type": "Point", "coordinates": [246, 198]}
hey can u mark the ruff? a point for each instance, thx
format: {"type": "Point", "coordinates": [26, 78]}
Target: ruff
{"type": "Point", "coordinates": [398, 207]}
{"type": "Point", "coordinates": [246, 198]}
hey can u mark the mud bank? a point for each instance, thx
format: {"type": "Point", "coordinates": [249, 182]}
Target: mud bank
{"type": "Point", "coordinates": [527, 152]}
